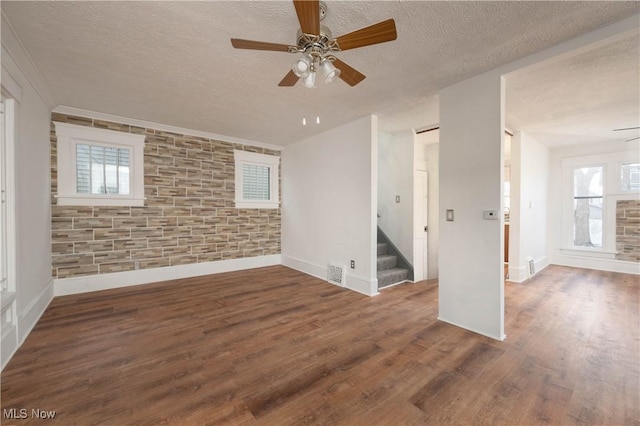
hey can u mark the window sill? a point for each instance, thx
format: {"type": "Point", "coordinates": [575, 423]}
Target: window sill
{"type": "Point", "coordinates": [99, 201]}
{"type": "Point", "coordinates": [256, 205]}
{"type": "Point", "coordinates": [600, 254]}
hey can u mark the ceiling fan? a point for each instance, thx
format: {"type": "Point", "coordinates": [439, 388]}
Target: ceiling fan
{"type": "Point", "coordinates": [628, 128]}
{"type": "Point", "coordinates": [316, 45]}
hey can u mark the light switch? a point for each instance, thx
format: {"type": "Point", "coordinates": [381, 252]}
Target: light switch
{"type": "Point", "coordinates": [449, 215]}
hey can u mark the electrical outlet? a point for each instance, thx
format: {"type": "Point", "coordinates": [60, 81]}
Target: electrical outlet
{"type": "Point", "coordinates": [397, 198]}
{"type": "Point", "coordinates": [353, 264]}
{"type": "Point", "coordinates": [136, 264]}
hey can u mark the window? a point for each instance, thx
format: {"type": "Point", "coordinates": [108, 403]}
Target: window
{"type": "Point", "coordinates": [630, 177]}
{"type": "Point", "coordinates": [587, 206]}
{"type": "Point", "coordinates": [99, 167]}
{"type": "Point", "coordinates": [592, 187]}
{"type": "Point", "coordinates": [256, 180]}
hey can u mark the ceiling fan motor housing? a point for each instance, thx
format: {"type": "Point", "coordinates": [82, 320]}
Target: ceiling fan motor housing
{"type": "Point", "coordinates": [311, 43]}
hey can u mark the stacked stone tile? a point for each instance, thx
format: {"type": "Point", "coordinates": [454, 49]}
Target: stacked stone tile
{"type": "Point", "coordinates": [628, 230]}
{"type": "Point", "coordinates": [188, 216]}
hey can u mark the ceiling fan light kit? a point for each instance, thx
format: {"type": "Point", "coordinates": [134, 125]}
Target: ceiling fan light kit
{"type": "Point", "coordinates": [317, 45]}
{"type": "Point", "coordinates": [329, 71]}
{"type": "Point", "coordinates": [310, 80]}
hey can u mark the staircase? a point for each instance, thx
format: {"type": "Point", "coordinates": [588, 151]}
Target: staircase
{"type": "Point", "coordinates": [392, 267]}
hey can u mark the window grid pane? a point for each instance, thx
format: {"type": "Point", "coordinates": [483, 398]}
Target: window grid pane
{"type": "Point", "coordinates": [630, 177]}
{"type": "Point", "coordinates": [102, 170]}
{"type": "Point", "coordinates": [256, 183]}
{"type": "Point", "coordinates": [588, 203]}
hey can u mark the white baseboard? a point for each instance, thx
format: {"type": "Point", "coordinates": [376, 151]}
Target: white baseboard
{"type": "Point", "coordinates": [518, 274]}
{"type": "Point", "coordinates": [75, 285]}
{"type": "Point", "coordinates": [352, 282]}
{"type": "Point", "coordinates": [611, 265]}
{"type": "Point", "coordinates": [28, 317]}
{"type": "Point", "coordinates": [496, 337]}
{"type": "Point", "coordinates": [15, 335]}
{"type": "Point", "coordinates": [9, 345]}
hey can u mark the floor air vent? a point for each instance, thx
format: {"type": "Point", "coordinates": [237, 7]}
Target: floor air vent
{"type": "Point", "coordinates": [532, 266]}
{"type": "Point", "coordinates": [335, 274]}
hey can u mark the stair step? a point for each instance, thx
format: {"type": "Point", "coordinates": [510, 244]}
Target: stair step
{"type": "Point", "coordinates": [391, 276]}
{"type": "Point", "coordinates": [387, 261]}
{"type": "Point", "coordinates": [382, 248]}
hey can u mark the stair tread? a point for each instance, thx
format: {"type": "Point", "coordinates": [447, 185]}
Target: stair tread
{"type": "Point", "coordinates": [392, 271]}
{"type": "Point", "coordinates": [386, 256]}
{"type": "Point", "coordinates": [392, 276]}
{"type": "Point", "coordinates": [386, 261]}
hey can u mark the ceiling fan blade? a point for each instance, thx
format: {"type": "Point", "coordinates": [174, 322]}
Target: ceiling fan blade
{"type": "Point", "coordinates": [239, 43]}
{"type": "Point", "coordinates": [308, 15]}
{"type": "Point", "coordinates": [289, 80]}
{"type": "Point", "coordinates": [632, 139]}
{"type": "Point", "coordinates": [626, 128]}
{"type": "Point", "coordinates": [377, 33]}
{"type": "Point", "coordinates": [349, 75]}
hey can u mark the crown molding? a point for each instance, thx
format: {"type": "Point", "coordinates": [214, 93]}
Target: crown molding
{"type": "Point", "coordinates": [62, 109]}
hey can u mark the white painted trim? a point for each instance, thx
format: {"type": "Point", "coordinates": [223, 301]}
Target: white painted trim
{"type": "Point", "coordinates": [10, 87]}
{"type": "Point", "coordinates": [519, 274]}
{"type": "Point", "coordinates": [6, 299]}
{"type": "Point", "coordinates": [585, 252]}
{"type": "Point", "coordinates": [501, 338]}
{"type": "Point", "coordinates": [13, 48]}
{"type": "Point", "coordinates": [164, 127]}
{"type": "Point", "coordinates": [272, 162]}
{"type": "Point", "coordinates": [9, 345]}
{"type": "Point", "coordinates": [69, 137]}
{"type": "Point", "coordinates": [362, 285]}
{"type": "Point", "coordinates": [84, 284]}
{"type": "Point", "coordinates": [352, 282]}
{"type": "Point", "coordinates": [10, 188]}
{"type": "Point", "coordinates": [610, 265]}
{"type": "Point", "coordinates": [308, 268]}
{"type": "Point", "coordinates": [29, 316]}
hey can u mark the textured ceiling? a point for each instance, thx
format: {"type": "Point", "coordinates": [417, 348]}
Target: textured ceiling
{"type": "Point", "coordinates": [172, 62]}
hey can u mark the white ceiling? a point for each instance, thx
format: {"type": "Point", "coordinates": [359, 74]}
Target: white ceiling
{"type": "Point", "coordinates": [172, 63]}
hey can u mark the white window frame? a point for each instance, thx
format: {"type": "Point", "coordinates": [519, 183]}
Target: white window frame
{"type": "Point", "coordinates": [264, 160]}
{"type": "Point", "coordinates": [71, 135]}
{"type": "Point", "coordinates": [611, 194]}
{"type": "Point", "coordinates": [618, 174]}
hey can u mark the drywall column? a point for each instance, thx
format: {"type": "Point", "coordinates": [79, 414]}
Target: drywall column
{"type": "Point", "coordinates": [529, 194]}
{"type": "Point", "coordinates": [329, 200]}
{"type": "Point", "coordinates": [395, 189]}
{"type": "Point", "coordinates": [471, 286]}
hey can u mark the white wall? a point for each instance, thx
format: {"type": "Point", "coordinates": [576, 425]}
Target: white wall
{"type": "Point", "coordinates": [428, 150]}
{"type": "Point", "coordinates": [395, 178]}
{"type": "Point", "coordinates": [34, 286]}
{"type": "Point", "coordinates": [556, 255]}
{"type": "Point", "coordinates": [329, 201]}
{"type": "Point", "coordinates": [471, 286]}
{"type": "Point", "coordinates": [529, 205]}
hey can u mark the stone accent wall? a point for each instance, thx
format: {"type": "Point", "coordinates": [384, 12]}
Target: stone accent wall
{"type": "Point", "coordinates": [628, 230]}
{"type": "Point", "coordinates": [188, 217]}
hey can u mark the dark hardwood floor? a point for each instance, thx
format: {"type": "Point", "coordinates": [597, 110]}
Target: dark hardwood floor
{"type": "Point", "coordinates": [273, 346]}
